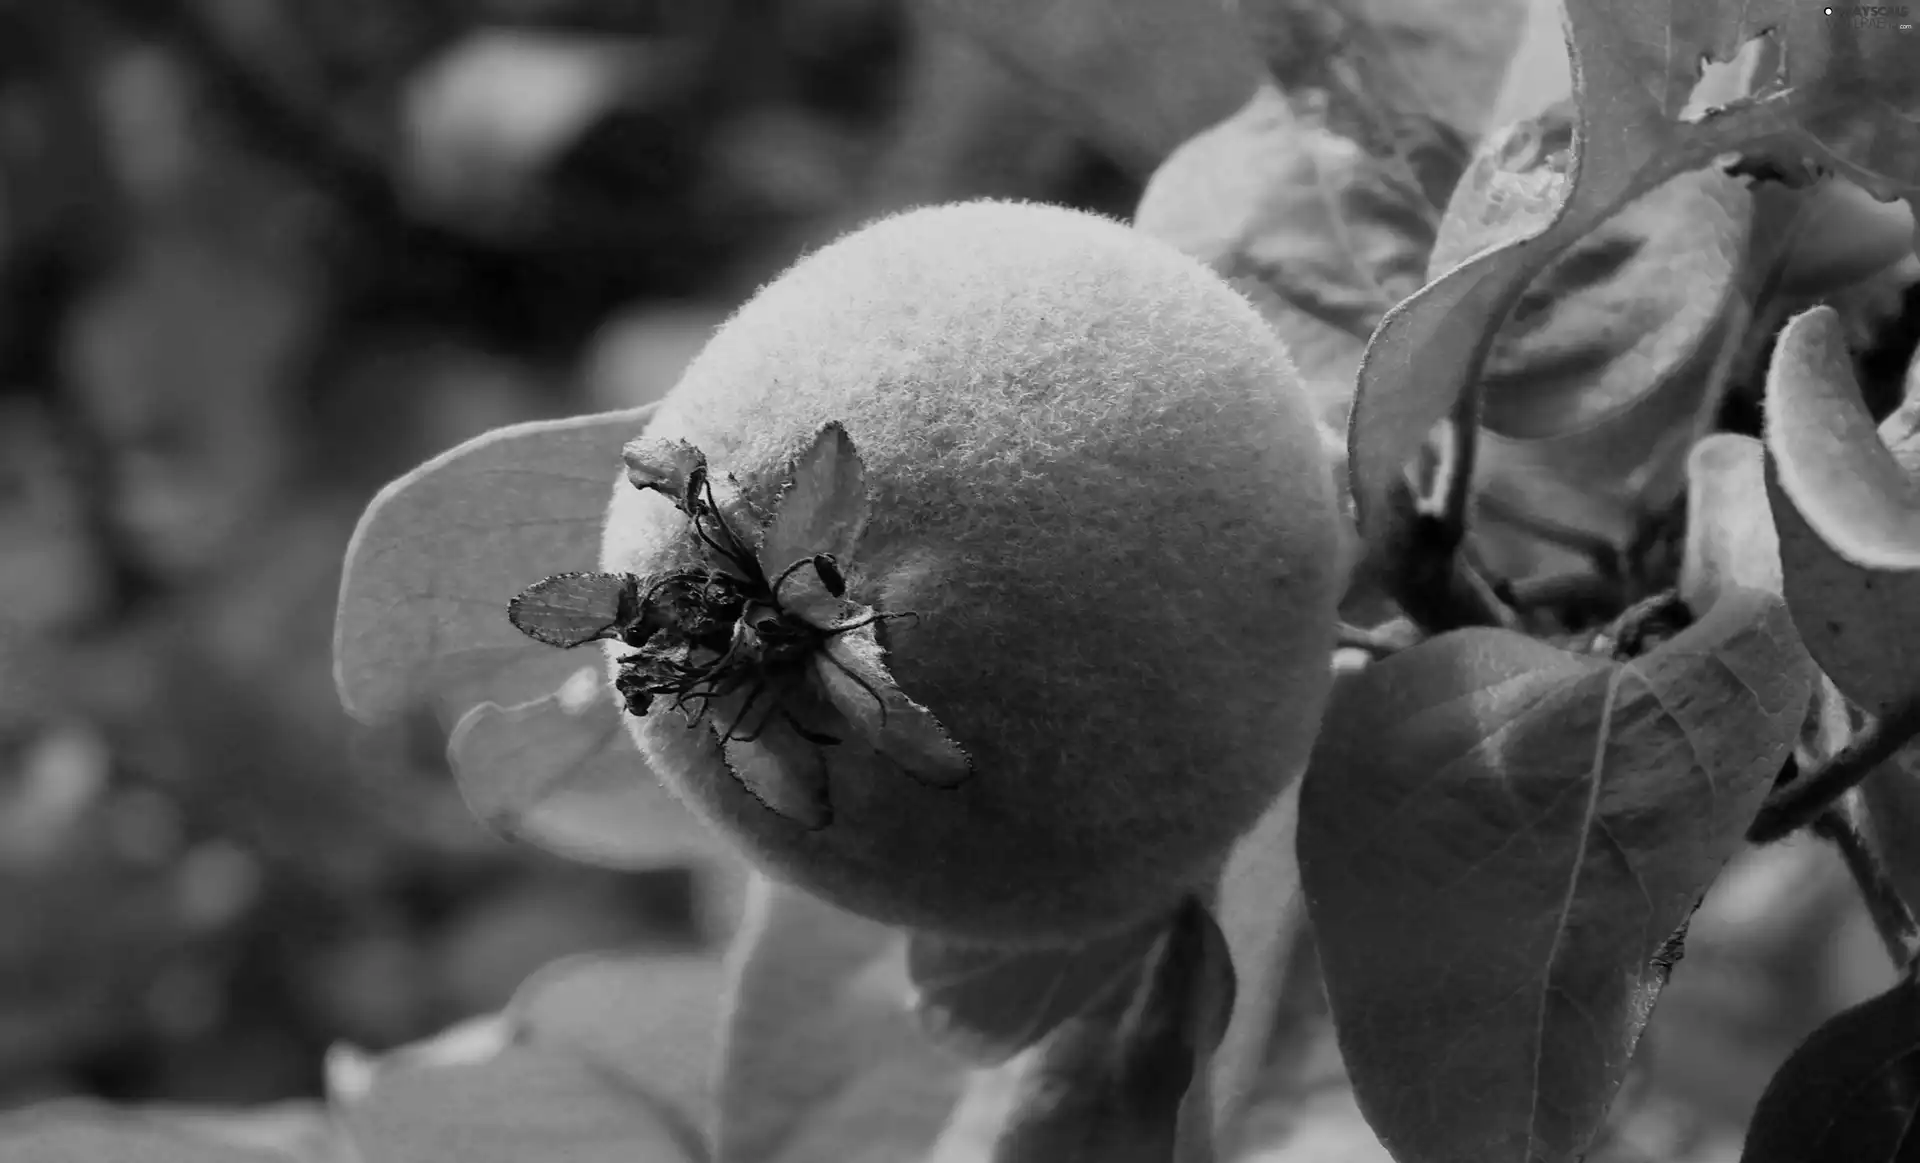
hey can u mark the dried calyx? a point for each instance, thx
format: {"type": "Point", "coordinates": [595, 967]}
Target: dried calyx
{"type": "Point", "coordinates": [761, 640]}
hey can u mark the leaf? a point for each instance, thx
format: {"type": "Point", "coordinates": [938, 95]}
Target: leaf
{"type": "Point", "coordinates": [573, 609]}
{"type": "Point", "coordinates": [563, 773]}
{"type": "Point", "coordinates": [652, 1017]}
{"type": "Point", "coordinates": [823, 508]}
{"type": "Point", "coordinates": [1850, 1093]}
{"type": "Point", "coordinates": [1138, 76]}
{"type": "Point", "coordinates": [1323, 237]}
{"type": "Point", "coordinates": [821, 1061]}
{"type": "Point", "coordinates": [525, 1103]}
{"type": "Point", "coordinates": [439, 553]}
{"type": "Point", "coordinates": [75, 1132]}
{"type": "Point", "coordinates": [1731, 543]}
{"type": "Point", "coordinates": [1635, 70]}
{"type": "Point", "coordinates": [1496, 839]}
{"type": "Point", "coordinates": [854, 673]}
{"type": "Point", "coordinates": [1596, 384]}
{"type": "Point", "coordinates": [987, 1003]}
{"type": "Point", "coordinates": [1305, 1110]}
{"type": "Point", "coordinates": [1835, 487]}
{"type": "Point", "coordinates": [1111, 1084]}
{"type": "Point", "coordinates": [1409, 80]}
{"type": "Point", "coordinates": [538, 747]}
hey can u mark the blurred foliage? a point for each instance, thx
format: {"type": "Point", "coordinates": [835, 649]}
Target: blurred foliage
{"type": "Point", "coordinates": [257, 257]}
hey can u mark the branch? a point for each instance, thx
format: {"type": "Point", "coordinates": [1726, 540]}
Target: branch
{"type": "Point", "coordinates": [1839, 824]}
{"type": "Point", "coordinates": [1799, 798]}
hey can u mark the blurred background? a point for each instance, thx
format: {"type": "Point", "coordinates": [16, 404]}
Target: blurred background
{"type": "Point", "coordinates": [258, 257]}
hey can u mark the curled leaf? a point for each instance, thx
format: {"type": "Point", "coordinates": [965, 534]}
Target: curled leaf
{"type": "Point", "coordinates": [1731, 543]}
{"type": "Point", "coordinates": [987, 1003]}
{"type": "Point", "coordinates": [1850, 1093]}
{"type": "Point", "coordinates": [670, 467]}
{"type": "Point", "coordinates": [1830, 461]}
{"type": "Point", "coordinates": [1597, 382]}
{"type": "Point", "coordinates": [1848, 516]}
{"type": "Point", "coordinates": [1497, 839]}
{"type": "Point", "coordinates": [853, 671]}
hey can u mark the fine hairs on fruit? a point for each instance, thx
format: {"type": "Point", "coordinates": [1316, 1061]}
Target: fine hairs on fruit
{"type": "Point", "coordinates": [1096, 480]}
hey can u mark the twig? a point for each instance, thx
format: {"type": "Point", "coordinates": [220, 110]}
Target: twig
{"type": "Point", "coordinates": [1839, 824]}
{"type": "Point", "coordinates": [1798, 800]}
{"type": "Point", "coordinates": [1626, 636]}
{"type": "Point", "coordinates": [1388, 637]}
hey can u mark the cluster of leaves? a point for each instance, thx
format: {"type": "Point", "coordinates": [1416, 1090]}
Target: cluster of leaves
{"type": "Point", "coordinates": [1604, 644]}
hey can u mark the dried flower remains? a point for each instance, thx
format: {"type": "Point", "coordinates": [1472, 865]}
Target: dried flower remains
{"type": "Point", "coordinates": [760, 639]}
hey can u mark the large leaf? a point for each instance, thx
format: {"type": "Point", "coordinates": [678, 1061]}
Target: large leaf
{"type": "Point", "coordinates": [1840, 496]}
{"type": "Point", "coordinates": [1113, 1084]}
{"type": "Point", "coordinates": [1595, 385]}
{"type": "Point", "coordinates": [1496, 841]}
{"type": "Point", "coordinates": [1635, 70]}
{"type": "Point", "coordinates": [440, 552]}
{"type": "Point", "coordinates": [1322, 236]}
{"type": "Point", "coordinates": [524, 1103]}
{"type": "Point", "coordinates": [1138, 76]}
{"type": "Point", "coordinates": [1850, 1093]}
{"type": "Point", "coordinates": [539, 749]}
{"type": "Point", "coordinates": [821, 1061]}
{"type": "Point", "coordinates": [987, 1003]}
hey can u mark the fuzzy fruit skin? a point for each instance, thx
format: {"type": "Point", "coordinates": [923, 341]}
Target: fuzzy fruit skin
{"type": "Point", "coordinates": [1096, 477]}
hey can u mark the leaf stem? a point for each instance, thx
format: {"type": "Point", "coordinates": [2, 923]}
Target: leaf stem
{"type": "Point", "coordinates": [1457, 493]}
{"type": "Point", "coordinates": [1839, 824]}
{"type": "Point", "coordinates": [1799, 801]}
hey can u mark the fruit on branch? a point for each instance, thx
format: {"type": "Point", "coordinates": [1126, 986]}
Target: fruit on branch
{"type": "Point", "coordinates": [1100, 532]}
